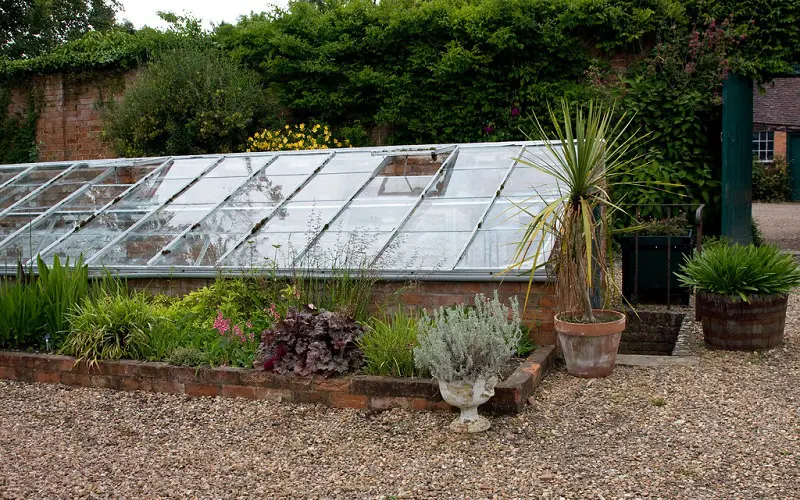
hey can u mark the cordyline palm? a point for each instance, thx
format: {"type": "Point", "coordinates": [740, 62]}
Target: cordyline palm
{"type": "Point", "coordinates": [590, 152]}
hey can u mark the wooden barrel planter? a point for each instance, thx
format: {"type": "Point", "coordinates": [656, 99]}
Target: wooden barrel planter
{"type": "Point", "coordinates": [733, 324]}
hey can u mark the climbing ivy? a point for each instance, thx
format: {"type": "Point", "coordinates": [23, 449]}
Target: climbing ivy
{"type": "Point", "coordinates": [18, 129]}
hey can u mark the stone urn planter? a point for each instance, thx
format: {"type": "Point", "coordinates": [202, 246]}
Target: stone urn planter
{"type": "Point", "coordinates": [467, 396]}
{"type": "Point", "coordinates": [733, 324]}
{"type": "Point", "coordinates": [590, 349]}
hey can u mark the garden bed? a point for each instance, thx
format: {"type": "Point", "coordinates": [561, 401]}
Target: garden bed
{"type": "Point", "coordinates": [353, 391]}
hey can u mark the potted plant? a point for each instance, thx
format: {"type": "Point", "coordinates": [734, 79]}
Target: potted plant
{"type": "Point", "coordinates": [465, 349]}
{"type": "Point", "coordinates": [742, 293]}
{"type": "Point", "coordinates": [651, 238]}
{"type": "Point", "coordinates": [589, 157]}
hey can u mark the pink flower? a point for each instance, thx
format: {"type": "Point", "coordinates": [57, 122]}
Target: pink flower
{"type": "Point", "coordinates": [222, 324]}
{"type": "Point", "coordinates": [249, 325]}
{"type": "Point", "coordinates": [488, 129]}
{"type": "Point", "coordinates": [238, 332]}
{"type": "Point", "coordinates": [514, 111]}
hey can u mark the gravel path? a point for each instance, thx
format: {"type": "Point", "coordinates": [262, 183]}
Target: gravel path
{"type": "Point", "coordinates": [727, 429]}
{"type": "Point", "coordinates": [780, 223]}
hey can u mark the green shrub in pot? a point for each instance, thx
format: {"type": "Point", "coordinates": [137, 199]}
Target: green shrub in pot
{"type": "Point", "coordinates": [741, 293]}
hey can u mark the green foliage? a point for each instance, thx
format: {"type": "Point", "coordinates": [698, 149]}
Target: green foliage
{"type": "Point", "coordinates": [20, 313]}
{"type": "Point", "coordinates": [525, 345]}
{"type": "Point", "coordinates": [60, 287]}
{"type": "Point", "coordinates": [18, 130]}
{"type": "Point", "coordinates": [741, 271]}
{"type": "Point", "coordinates": [462, 343]}
{"type": "Point", "coordinates": [186, 356]}
{"type": "Point", "coordinates": [590, 154]}
{"type": "Point", "coordinates": [189, 100]}
{"type": "Point", "coordinates": [388, 345]}
{"type": "Point", "coordinates": [756, 234]}
{"type": "Point", "coordinates": [115, 326]}
{"type": "Point", "coordinates": [34, 310]}
{"type": "Point", "coordinates": [29, 28]}
{"type": "Point", "coordinates": [771, 182]}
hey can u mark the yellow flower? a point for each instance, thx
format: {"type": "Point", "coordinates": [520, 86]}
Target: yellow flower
{"type": "Point", "coordinates": [287, 127]}
{"type": "Point", "coordinates": [302, 126]}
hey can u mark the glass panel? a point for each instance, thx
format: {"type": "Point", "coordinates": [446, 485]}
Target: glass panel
{"type": "Point", "coordinates": [368, 215]}
{"type": "Point", "coordinates": [331, 187]}
{"type": "Point", "coordinates": [529, 181]}
{"type": "Point", "coordinates": [289, 164]}
{"type": "Point", "coordinates": [352, 162]}
{"type": "Point", "coordinates": [173, 219]}
{"type": "Point", "coordinates": [238, 167]}
{"type": "Point", "coordinates": [42, 174]}
{"type": "Point", "coordinates": [94, 198]}
{"type": "Point", "coordinates": [267, 189]}
{"type": "Point", "coordinates": [128, 175]}
{"type": "Point", "coordinates": [13, 193]}
{"type": "Point", "coordinates": [203, 246]}
{"type": "Point", "coordinates": [486, 157]}
{"type": "Point", "coordinates": [152, 192]}
{"type": "Point", "coordinates": [235, 219]}
{"type": "Point", "coordinates": [470, 183]}
{"type": "Point", "coordinates": [6, 174]}
{"type": "Point", "coordinates": [346, 249]}
{"type": "Point", "coordinates": [301, 216]}
{"type": "Point", "coordinates": [97, 233]}
{"type": "Point", "coordinates": [397, 187]}
{"type": "Point", "coordinates": [495, 249]}
{"type": "Point", "coordinates": [512, 213]}
{"type": "Point", "coordinates": [190, 167]}
{"type": "Point", "coordinates": [62, 188]}
{"type": "Point", "coordinates": [428, 250]}
{"type": "Point", "coordinates": [209, 190]}
{"type": "Point", "coordinates": [268, 249]}
{"type": "Point", "coordinates": [12, 222]}
{"type": "Point", "coordinates": [29, 243]}
{"type": "Point", "coordinates": [447, 215]}
{"type": "Point", "coordinates": [135, 249]}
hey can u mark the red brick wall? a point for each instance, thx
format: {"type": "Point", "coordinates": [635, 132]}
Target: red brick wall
{"type": "Point", "coordinates": [780, 144]}
{"type": "Point", "coordinates": [69, 121]}
{"type": "Point", "coordinates": [538, 316]}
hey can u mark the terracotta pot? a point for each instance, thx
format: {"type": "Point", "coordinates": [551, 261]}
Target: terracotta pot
{"type": "Point", "coordinates": [733, 324]}
{"type": "Point", "coordinates": [590, 349]}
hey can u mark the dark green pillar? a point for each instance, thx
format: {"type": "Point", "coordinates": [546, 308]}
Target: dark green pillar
{"type": "Point", "coordinates": [737, 158]}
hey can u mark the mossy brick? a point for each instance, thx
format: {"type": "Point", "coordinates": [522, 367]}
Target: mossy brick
{"type": "Point", "coordinates": [44, 377]}
{"type": "Point", "coordinates": [311, 397]}
{"type": "Point", "coordinates": [394, 387]}
{"type": "Point", "coordinates": [349, 401]}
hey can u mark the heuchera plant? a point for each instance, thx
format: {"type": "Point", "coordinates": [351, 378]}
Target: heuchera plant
{"type": "Point", "coordinates": [306, 343]}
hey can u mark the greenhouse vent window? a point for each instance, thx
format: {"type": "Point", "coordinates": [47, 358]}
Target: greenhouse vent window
{"type": "Point", "coordinates": [448, 212]}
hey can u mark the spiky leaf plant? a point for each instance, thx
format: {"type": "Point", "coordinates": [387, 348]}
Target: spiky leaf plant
{"type": "Point", "coordinates": [590, 153]}
{"type": "Point", "coordinates": [741, 271]}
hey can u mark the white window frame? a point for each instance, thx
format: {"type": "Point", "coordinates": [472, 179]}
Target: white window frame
{"type": "Point", "coordinates": [764, 146]}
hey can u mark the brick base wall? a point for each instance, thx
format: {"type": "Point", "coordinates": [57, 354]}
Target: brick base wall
{"type": "Point", "coordinates": [353, 391]}
{"type": "Point", "coordinates": [538, 316]}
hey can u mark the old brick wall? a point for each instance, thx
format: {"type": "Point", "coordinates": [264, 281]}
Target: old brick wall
{"type": "Point", "coordinates": [538, 316]}
{"type": "Point", "coordinates": [69, 125]}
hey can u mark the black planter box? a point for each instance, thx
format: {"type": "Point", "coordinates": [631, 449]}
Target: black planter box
{"type": "Point", "coordinates": [653, 268]}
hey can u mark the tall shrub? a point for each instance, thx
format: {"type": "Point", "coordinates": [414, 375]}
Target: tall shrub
{"type": "Point", "coordinates": [189, 100]}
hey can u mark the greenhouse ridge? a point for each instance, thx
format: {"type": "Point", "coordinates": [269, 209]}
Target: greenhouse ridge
{"type": "Point", "coordinates": [440, 210]}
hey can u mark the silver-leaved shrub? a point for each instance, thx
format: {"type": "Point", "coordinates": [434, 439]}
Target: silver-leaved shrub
{"type": "Point", "coordinates": [468, 343]}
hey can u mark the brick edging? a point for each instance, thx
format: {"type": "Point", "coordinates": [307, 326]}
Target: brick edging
{"type": "Point", "coordinates": [352, 391]}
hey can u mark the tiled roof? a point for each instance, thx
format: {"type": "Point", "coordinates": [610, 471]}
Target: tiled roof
{"type": "Point", "coordinates": [779, 105]}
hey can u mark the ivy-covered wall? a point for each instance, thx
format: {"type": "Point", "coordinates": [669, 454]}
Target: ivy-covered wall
{"type": "Point", "coordinates": [57, 117]}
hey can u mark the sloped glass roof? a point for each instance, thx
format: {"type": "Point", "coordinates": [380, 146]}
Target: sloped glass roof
{"type": "Point", "coordinates": [446, 211]}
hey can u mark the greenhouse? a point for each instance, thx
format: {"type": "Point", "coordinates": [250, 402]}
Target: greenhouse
{"type": "Point", "coordinates": [441, 211]}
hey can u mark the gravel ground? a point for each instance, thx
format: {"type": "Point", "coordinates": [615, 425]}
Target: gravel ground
{"type": "Point", "coordinates": [779, 223]}
{"type": "Point", "coordinates": [729, 428]}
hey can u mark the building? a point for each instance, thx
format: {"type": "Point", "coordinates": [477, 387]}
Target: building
{"type": "Point", "coordinates": [776, 120]}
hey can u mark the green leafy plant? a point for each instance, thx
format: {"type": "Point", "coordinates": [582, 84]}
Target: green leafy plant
{"type": "Point", "coordinates": [741, 271]}
{"type": "Point", "coordinates": [112, 327]}
{"type": "Point", "coordinates": [590, 153]}
{"type": "Point", "coordinates": [186, 356]}
{"type": "Point", "coordinates": [61, 288]}
{"type": "Point", "coordinates": [190, 100]}
{"type": "Point", "coordinates": [468, 343]}
{"type": "Point", "coordinates": [771, 182]}
{"type": "Point", "coordinates": [388, 345]}
{"type": "Point", "coordinates": [20, 312]}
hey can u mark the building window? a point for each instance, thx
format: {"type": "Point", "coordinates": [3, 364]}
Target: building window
{"type": "Point", "coordinates": [764, 146]}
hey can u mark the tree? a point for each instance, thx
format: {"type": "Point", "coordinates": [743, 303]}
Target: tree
{"type": "Point", "coordinates": [29, 28]}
